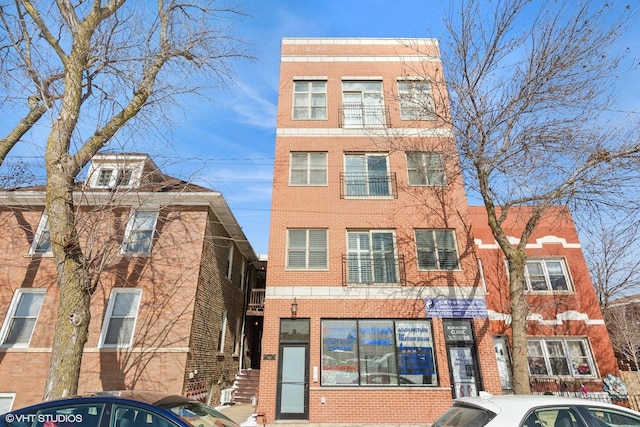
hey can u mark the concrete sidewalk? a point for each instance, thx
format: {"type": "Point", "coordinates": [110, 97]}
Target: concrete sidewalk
{"type": "Point", "coordinates": [240, 413]}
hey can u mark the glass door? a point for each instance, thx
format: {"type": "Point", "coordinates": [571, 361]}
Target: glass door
{"type": "Point", "coordinates": [293, 386]}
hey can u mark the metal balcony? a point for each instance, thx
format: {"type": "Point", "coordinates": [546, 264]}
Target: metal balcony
{"type": "Point", "coordinates": [368, 186]}
{"type": "Point", "coordinates": [373, 269]}
{"type": "Point", "coordinates": [355, 116]}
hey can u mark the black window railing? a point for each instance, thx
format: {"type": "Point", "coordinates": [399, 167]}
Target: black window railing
{"type": "Point", "coordinates": [370, 186]}
{"type": "Point", "coordinates": [353, 115]}
{"type": "Point", "coordinates": [373, 269]}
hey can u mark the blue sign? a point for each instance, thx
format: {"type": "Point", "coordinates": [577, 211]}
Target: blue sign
{"type": "Point", "coordinates": [455, 307]}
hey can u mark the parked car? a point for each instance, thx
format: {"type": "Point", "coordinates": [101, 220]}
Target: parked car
{"type": "Point", "coordinates": [118, 409]}
{"type": "Point", "coordinates": [535, 411]}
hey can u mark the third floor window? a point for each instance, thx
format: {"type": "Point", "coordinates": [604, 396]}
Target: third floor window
{"type": "Point", "coordinates": [425, 169]}
{"type": "Point", "coordinates": [363, 104]}
{"type": "Point", "coordinates": [416, 100]}
{"type": "Point", "coordinates": [547, 275]}
{"type": "Point", "coordinates": [367, 175]}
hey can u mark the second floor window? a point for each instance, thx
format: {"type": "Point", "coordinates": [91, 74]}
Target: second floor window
{"type": "Point", "coordinates": [310, 100]}
{"type": "Point", "coordinates": [425, 169]}
{"type": "Point", "coordinates": [366, 175]}
{"type": "Point", "coordinates": [21, 317]}
{"type": "Point", "coordinates": [436, 249]}
{"type": "Point", "coordinates": [559, 356]}
{"type": "Point", "coordinates": [371, 257]}
{"type": "Point", "coordinates": [139, 233]}
{"type": "Point", "coordinates": [363, 104]}
{"type": "Point", "coordinates": [308, 169]}
{"type": "Point", "coordinates": [120, 318]}
{"type": "Point", "coordinates": [307, 249]}
{"type": "Point", "coordinates": [547, 275]}
{"type": "Point", "coordinates": [41, 240]}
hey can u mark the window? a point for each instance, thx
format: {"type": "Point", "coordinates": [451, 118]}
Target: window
{"type": "Point", "coordinates": [230, 260]}
{"type": "Point", "coordinates": [308, 169]}
{"type": "Point", "coordinates": [237, 338]}
{"type": "Point", "coordinates": [6, 402]}
{"type": "Point", "coordinates": [85, 414]}
{"type": "Point", "coordinates": [560, 356]}
{"type": "Point", "coordinates": [129, 416]}
{"type": "Point", "coordinates": [139, 233]}
{"type": "Point", "coordinates": [371, 257]}
{"type": "Point", "coordinates": [222, 334]}
{"type": "Point", "coordinates": [363, 104]}
{"type": "Point", "coordinates": [547, 275]}
{"type": "Point", "coordinates": [310, 100]}
{"type": "Point", "coordinates": [41, 240]}
{"type": "Point", "coordinates": [611, 417]}
{"type": "Point", "coordinates": [554, 416]}
{"type": "Point", "coordinates": [425, 169]}
{"type": "Point", "coordinates": [120, 318]}
{"type": "Point", "coordinates": [377, 352]}
{"type": "Point", "coordinates": [113, 176]}
{"type": "Point", "coordinates": [307, 249]}
{"type": "Point", "coordinates": [366, 175]}
{"type": "Point", "coordinates": [416, 100]}
{"type": "Point", "coordinates": [21, 317]}
{"type": "Point", "coordinates": [436, 250]}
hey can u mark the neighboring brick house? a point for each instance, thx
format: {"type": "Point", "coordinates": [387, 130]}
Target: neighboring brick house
{"type": "Point", "coordinates": [168, 309]}
{"type": "Point", "coordinates": [568, 344]}
{"type": "Point", "coordinates": [374, 311]}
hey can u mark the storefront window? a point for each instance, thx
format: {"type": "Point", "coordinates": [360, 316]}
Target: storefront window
{"type": "Point", "coordinates": [377, 353]}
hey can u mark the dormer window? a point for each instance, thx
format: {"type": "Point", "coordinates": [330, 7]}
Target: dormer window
{"type": "Point", "coordinates": [104, 178]}
{"type": "Point", "coordinates": [122, 171]}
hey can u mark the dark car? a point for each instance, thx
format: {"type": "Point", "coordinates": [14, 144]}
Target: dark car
{"type": "Point", "coordinates": [118, 409]}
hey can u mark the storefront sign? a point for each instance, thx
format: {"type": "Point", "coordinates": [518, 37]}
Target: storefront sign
{"type": "Point", "coordinates": [456, 307]}
{"type": "Point", "coordinates": [458, 330]}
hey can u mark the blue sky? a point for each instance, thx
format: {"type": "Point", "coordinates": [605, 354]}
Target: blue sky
{"type": "Point", "coordinates": [231, 141]}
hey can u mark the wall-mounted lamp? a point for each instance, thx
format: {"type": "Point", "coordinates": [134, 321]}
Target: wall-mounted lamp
{"type": "Point", "coordinates": [294, 308]}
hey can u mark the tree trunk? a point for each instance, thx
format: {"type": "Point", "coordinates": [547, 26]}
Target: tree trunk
{"type": "Point", "coordinates": [519, 311]}
{"type": "Point", "coordinates": [72, 324]}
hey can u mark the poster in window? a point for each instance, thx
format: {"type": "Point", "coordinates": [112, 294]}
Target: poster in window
{"type": "Point", "coordinates": [339, 353]}
{"type": "Point", "coordinates": [414, 343]}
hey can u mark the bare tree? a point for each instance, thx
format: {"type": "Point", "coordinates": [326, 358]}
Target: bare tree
{"type": "Point", "coordinates": [611, 252]}
{"type": "Point", "coordinates": [623, 324]}
{"type": "Point", "coordinates": [530, 84]}
{"type": "Point", "coordinates": [87, 69]}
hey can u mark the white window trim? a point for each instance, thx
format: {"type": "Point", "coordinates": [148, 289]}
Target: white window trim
{"type": "Point", "coordinates": [564, 339]}
{"type": "Point", "coordinates": [310, 102]}
{"type": "Point", "coordinates": [136, 169]}
{"type": "Point", "coordinates": [371, 232]}
{"type": "Point", "coordinates": [11, 314]}
{"type": "Point", "coordinates": [42, 224]}
{"type": "Point", "coordinates": [543, 260]}
{"type": "Point", "coordinates": [308, 182]}
{"type": "Point", "coordinates": [11, 396]}
{"type": "Point", "coordinates": [307, 250]}
{"type": "Point", "coordinates": [129, 228]}
{"type": "Point", "coordinates": [223, 331]}
{"type": "Point", "coordinates": [368, 173]}
{"type": "Point", "coordinates": [424, 115]}
{"type": "Point", "coordinates": [243, 266]}
{"type": "Point", "coordinates": [230, 260]}
{"type": "Point", "coordinates": [108, 313]}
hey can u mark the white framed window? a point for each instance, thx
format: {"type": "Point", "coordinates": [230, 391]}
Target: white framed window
{"type": "Point", "coordinates": [371, 257]}
{"type": "Point", "coordinates": [547, 275]}
{"type": "Point", "coordinates": [307, 249]}
{"type": "Point", "coordinates": [114, 175]}
{"type": "Point", "coordinates": [230, 260]}
{"type": "Point", "coordinates": [6, 402]}
{"type": "Point", "coordinates": [560, 357]}
{"type": "Point", "coordinates": [41, 239]}
{"type": "Point", "coordinates": [416, 100]}
{"type": "Point", "coordinates": [22, 317]}
{"type": "Point", "coordinates": [138, 236]}
{"type": "Point", "coordinates": [425, 169]}
{"type": "Point", "coordinates": [308, 169]}
{"type": "Point", "coordinates": [310, 100]}
{"type": "Point", "coordinates": [437, 249]}
{"type": "Point", "coordinates": [363, 104]}
{"type": "Point", "coordinates": [120, 318]}
{"type": "Point", "coordinates": [222, 335]}
{"type": "Point", "coordinates": [367, 175]}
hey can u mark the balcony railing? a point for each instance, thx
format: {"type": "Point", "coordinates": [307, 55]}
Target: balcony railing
{"type": "Point", "coordinates": [373, 269]}
{"type": "Point", "coordinates": [354, 115]}
{"type": "Point", "coordinates": [255, 306]}
{"type": "Point", "coordinates": [368, 186]}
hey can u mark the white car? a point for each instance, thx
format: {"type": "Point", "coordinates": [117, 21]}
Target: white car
{"type": "Point", "coordinates": [534, 411]}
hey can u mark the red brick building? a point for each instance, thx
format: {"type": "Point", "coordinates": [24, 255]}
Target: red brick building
{"type": "Point", "coordinates": [168, 309]}
{"type": "Point", "coordinates": [375, 307]}
{"type": "Point", "coordinates": [568, 345]}
{"type": "Point", "coordinates": [368, 223]}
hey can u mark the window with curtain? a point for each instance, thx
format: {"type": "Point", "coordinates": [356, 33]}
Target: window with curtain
{"type": "Point", "coordinates": [371, 257]}
{"type": "Point", "coordinates": [307, 249]}
{"type": "Point", "coordinates": [436, 249]}
{"type": "Point", "coordinates": [310, 100]}
{"type": "Point", "coordinates": [120, 318]}
{"type": "Point", "coordinates": [569, 356]}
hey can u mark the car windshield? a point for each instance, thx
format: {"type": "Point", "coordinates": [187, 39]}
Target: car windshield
{"type": "Point", "coordinates": [200, 415]}
{"type": "Point", "coordinates": [464, 416]}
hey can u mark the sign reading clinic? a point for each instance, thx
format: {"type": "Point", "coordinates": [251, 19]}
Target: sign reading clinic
{"type": "Point", "coordinates": [456, 307]}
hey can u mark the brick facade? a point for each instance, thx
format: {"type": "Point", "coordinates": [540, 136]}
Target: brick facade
{"type": "Point", "coordinates": [183, 282]}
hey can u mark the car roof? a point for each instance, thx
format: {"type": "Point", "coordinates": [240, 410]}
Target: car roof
{"type": "Point", "coordinates": [519, 405]}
